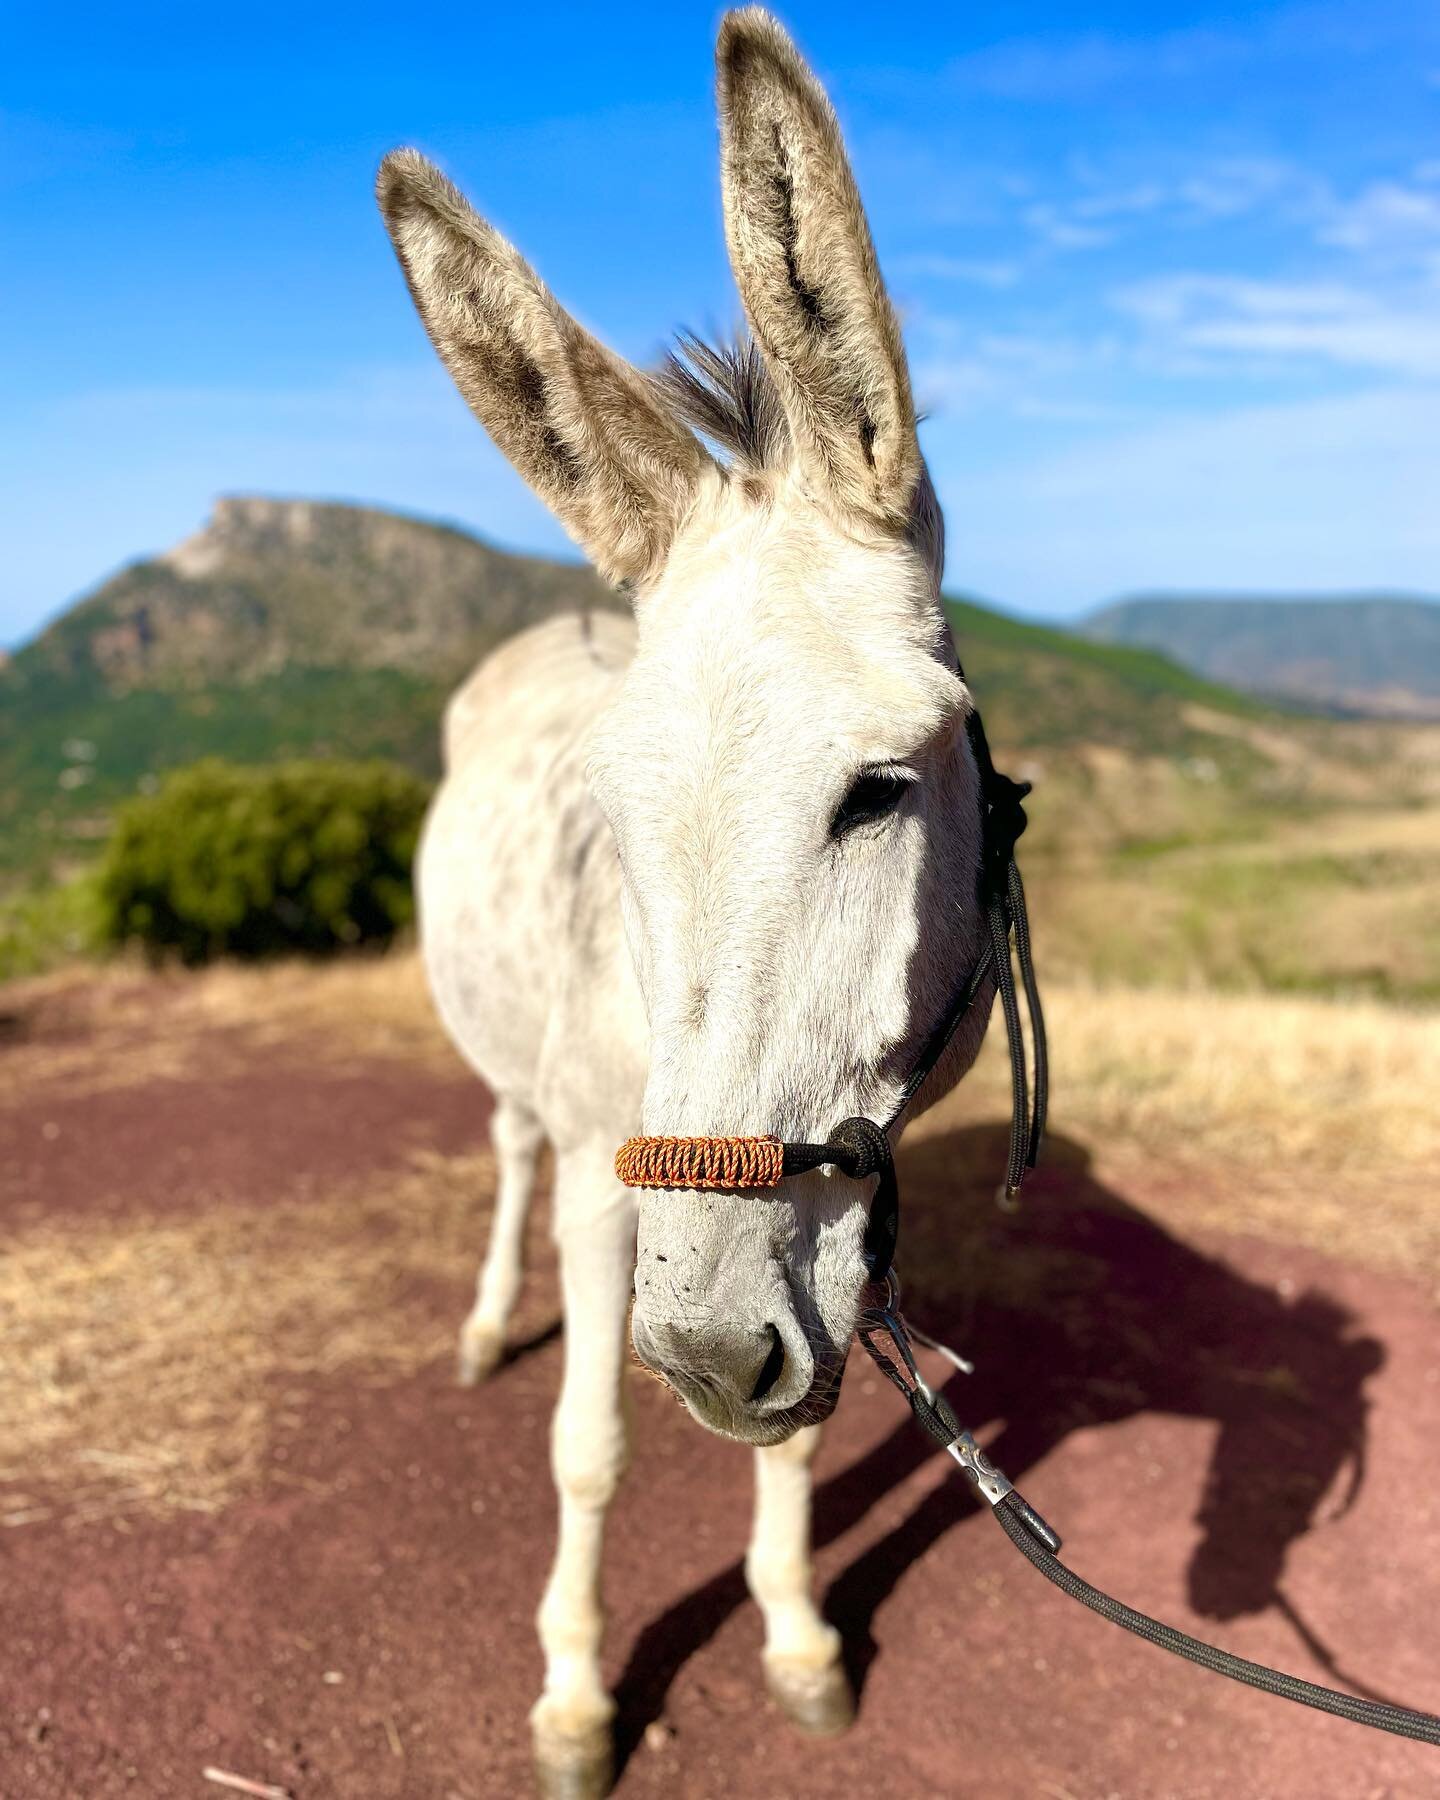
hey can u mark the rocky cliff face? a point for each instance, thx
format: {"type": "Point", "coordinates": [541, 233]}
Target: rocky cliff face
{"type": "Point", "coordinates": [274, 584]}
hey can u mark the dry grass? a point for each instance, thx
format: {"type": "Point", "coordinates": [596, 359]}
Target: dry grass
{"type": "Point", "coordinates": [1305, 1120]}
{"type": "Point", "coordinates": [125, 1025]}
{"type": "Point", "coordinates": [142, 1358]}
{"type": "Point", "coordinates": [1343, 1087]}
{"type": "Point", "coordinates": [372, 1007]}
{"type": "Point", "coordinates": [1336, 1085]}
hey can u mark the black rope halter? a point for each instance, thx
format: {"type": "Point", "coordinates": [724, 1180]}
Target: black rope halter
{"type": "Point", "coordinates": [859, 1147]}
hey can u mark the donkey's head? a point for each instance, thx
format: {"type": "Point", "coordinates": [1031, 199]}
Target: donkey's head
{"type": "Point", "coordinates": [785, 767]}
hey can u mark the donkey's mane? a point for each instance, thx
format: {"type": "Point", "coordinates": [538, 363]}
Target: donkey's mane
{"type": "Point", "coordinates": [726, 393]}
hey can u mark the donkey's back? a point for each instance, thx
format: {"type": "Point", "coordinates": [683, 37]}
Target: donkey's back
{"type": "Point", "coordinates": [516, 869]}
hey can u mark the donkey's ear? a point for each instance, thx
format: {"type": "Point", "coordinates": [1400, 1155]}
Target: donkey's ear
{"type": "Point", "coordinates": [587, 431]}
{"type": "Point", "coordinates": [806, 269]}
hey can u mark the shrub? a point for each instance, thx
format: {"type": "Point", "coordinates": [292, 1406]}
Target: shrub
{"type": "Point", "coordinates": [230, 861]}
{"type": "Point", "coordinates": [44, 925]}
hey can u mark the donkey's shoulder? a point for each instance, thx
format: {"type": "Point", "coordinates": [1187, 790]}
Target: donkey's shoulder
{"type": "Point", "coordinates": [547, 672]}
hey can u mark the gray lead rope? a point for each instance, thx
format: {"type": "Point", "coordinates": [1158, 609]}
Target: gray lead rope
{"type": "Point", "coordinates": [1040, 1544]}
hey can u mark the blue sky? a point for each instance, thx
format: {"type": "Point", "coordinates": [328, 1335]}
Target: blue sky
{"type": "Point", "coordinates": [1170, 275]}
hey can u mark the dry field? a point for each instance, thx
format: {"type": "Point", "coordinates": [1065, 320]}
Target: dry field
{"type": "Point", "coordinates": [1296, 1120]}
{"type": "Point", "coordinates": [247, 1520]}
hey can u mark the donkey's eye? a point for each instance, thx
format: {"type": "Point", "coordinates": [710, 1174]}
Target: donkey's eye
{"type": "Point", "coordinates": [871, 796]}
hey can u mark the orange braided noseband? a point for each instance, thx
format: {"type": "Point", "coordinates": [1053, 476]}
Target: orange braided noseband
{"type": "Point", "coordinates": [700, 1162]}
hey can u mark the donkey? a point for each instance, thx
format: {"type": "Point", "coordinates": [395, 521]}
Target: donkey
{"type": "Point", "coordinates": [711, 869]}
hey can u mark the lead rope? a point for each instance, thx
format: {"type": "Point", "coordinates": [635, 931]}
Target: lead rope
{"type": "Point", "coordinates": [1040, 1544]}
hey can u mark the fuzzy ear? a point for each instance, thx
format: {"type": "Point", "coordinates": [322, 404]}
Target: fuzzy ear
{"type": "Point", "coordinates": [801, 250]}
{"type": "Point", "coordinates": [587, 431]}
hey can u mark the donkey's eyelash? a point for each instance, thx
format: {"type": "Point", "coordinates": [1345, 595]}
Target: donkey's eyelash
{"type": "Point", "coordinates": [872, 794]}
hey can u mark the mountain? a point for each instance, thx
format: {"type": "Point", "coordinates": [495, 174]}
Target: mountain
{"type": "Point", "coordinates": [284, 627]}
{"type": "Point", "coordinates": [270, 585]}
{"type": "Point", "coordinates": [1366, 653]}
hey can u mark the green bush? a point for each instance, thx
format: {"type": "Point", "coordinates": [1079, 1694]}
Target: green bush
{"type": "Point", "coordinates": [231, 861]}
{"type": "Point", "coordinates": [42, 926]}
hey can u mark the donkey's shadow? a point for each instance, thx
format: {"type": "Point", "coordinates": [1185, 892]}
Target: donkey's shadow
{"type": "Point", "coordinates": [1080, 1311]}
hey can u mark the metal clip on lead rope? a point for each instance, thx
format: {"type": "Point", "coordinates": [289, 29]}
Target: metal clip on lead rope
{"type": "Point", "coordinates": [933, 1412]}
{"type": "Point", "coordinates": [1040, 1545]}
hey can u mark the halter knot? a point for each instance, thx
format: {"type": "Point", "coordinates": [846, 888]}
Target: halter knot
{"type": "Point", "coordinates": [1005, 819]}
{"type": "Point", "coordinates": [861, 1147]}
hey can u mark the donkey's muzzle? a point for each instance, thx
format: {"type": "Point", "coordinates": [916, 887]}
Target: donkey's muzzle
{"type": "Point", "coordinates": [740, 1377]}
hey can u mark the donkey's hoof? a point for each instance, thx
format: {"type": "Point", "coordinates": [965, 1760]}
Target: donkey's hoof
{"type": "Point", "coordinates": [817, 1699]}
{"type": "Point", "coordinates": [480, 1351]}
{"type": "Point", "coordinates": [576, 1765]}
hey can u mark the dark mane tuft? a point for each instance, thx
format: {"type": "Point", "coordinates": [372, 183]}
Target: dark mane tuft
{"type": "Point", "coordinates": [727, 394]}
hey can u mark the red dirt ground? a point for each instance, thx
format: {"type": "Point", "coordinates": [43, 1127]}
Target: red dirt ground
{"type": "Point", "coordinates": [1237, 1436]}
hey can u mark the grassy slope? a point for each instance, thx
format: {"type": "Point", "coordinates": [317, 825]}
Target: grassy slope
{"type": "Point", "coordinates": [282, 628]}
{"type": "Point", "coordinates": [1182, 832]}
{"type": "Point", "coordinates": [1040, 690]}
{"type": "Point", "coordinates": [136, 736]}
{"type": "Point", "coordinates": [1045, 687]}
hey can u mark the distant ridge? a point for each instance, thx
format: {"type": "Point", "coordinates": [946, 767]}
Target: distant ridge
{"type": "Point", "coordinates": [1366, 653]}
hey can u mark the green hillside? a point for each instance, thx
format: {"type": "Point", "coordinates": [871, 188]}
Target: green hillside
{"type": "Point", "coordinates": [1044, 687]}
{"type": "Point", "coordinates": [1184, 833]}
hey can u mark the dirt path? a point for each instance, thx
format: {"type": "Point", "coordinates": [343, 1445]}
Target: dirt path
{"type": "Point", "coordinates": [1233, 1434]}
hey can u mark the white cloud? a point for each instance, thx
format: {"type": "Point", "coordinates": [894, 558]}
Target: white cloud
{"type": "Point", "coordinates": [1053, 228]}
{"type": "Point", "coordinates": [978, 271]}
{"type": "Point", "coordinates": [1034, 69]}
{"type": "Point", "coordinates": [1109, 203]}
{"type": "Point", "coordinates": [1073, 68]}
{"type": "Point", "coordinates": [1396, 345]}
{"type": "Point", "coordinates": [1098, 209]}
{"type": "Point", "coordinates": [1176, 299]}
{"type": "Point", "coordinates": [1385, 215]}
{"type": "Point", "coordinates": [1080, 66]}
{"type": "Point", "coordinates": [956, 370]}
{"type": "Point", "coordinates": [1322, 323]}
{"type": "Point", "coordinates": [1229, 186]}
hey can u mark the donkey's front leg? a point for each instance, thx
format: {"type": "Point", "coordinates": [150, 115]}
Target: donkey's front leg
{"type": "Point", "coordinates": [516, 1136]}
{"type": "Point", "coordinates": [802, 1653]}
{"type": "Point", "coordinates": [595, 1225]}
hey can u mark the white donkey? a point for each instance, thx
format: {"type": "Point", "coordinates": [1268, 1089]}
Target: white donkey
{"type": "Point", "coordinates": [711, 873]}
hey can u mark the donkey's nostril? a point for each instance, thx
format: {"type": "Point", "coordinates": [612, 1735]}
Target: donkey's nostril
{"type": "Point", "coordinates": [770, 1369]}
